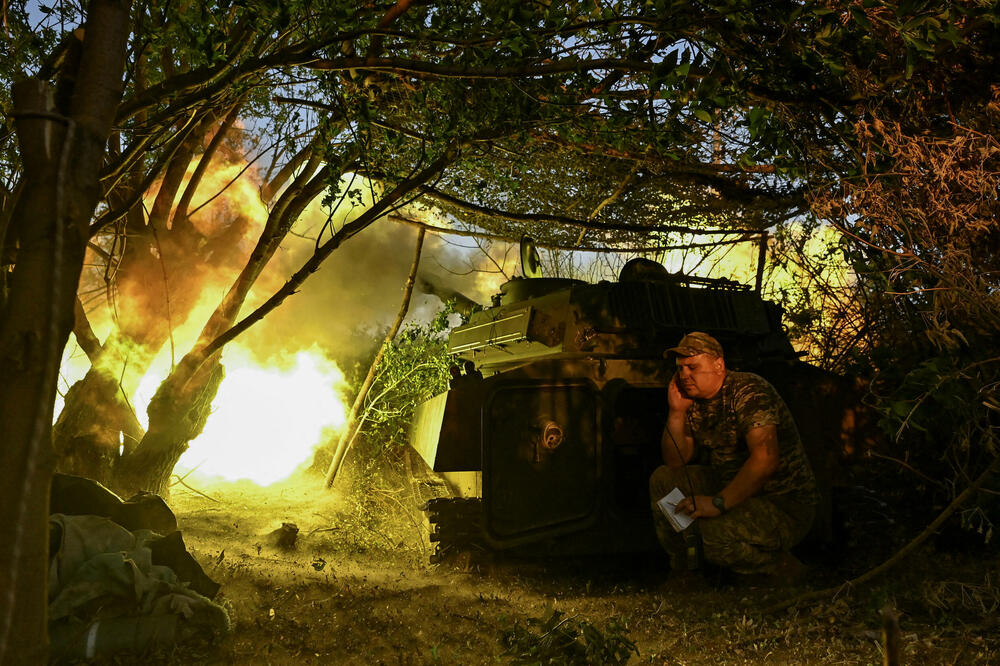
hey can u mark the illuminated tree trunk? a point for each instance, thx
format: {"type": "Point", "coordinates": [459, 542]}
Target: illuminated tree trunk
{"type": "Point", "coordinates": [62, 150]}
{"type": "Point", "coordinates": [351, 430]}
{"type": "Point", "coordinates": [94, 421]}
{"type": "Point", "coordinates": [154, 299]}
{"type": "Point", "coordinates": [177, 414]}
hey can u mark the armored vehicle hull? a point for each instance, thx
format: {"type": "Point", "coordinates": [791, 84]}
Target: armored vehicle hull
{"type": "Point", "coordinates": [548, 447]}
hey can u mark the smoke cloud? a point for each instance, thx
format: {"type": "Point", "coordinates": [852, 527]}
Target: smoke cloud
{"type": "Point", "coordinates": [345, 307]}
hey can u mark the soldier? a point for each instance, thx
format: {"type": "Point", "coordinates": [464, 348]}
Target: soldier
{"type": "Point", "coordinates": [756, 496]}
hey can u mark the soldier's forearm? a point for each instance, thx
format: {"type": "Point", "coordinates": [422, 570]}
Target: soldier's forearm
{"type": "Point", "coordinates": [748, 481]}
{"type": "Point", "coordinates": [677, 445]}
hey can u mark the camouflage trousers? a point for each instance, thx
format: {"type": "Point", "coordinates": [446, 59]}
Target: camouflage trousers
{"type": "Point", "coordinates": [750, 538]}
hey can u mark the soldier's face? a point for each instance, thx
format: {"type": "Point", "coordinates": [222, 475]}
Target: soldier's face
{"type": "Point", "coordinates": [700, 376]}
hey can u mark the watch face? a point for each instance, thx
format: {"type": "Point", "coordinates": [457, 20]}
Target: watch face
{"type": "Point", "coordinates": [719, 503]}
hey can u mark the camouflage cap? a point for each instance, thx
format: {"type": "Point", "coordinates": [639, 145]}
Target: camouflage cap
{"type": "Point", "coordinates": [695, 343]}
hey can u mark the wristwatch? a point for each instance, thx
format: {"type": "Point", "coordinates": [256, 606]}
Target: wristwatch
{"type": "Point", "coordinates": [719, 503]}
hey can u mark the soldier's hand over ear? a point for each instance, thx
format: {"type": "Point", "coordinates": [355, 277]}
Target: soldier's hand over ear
{"type": "Point", "coordinates": [677, 401]}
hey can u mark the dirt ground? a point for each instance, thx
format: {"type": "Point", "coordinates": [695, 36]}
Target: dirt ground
{"type": "Point", "coordinates": [357, 589]}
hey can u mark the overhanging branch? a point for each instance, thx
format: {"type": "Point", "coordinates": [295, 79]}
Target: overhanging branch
{"type": "Point", "coordinates": [405, 66]}
{"type": "Point", "coordinates": [579, 223]}
{"type": "Point", "coordinates": [444, 231]}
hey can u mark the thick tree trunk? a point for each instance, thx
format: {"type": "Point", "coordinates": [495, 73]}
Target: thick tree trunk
{"type": "Point", "coordinates": [31, 336]}
{"type": "Point", "coordinates": [93, 424]}
{"type": "Point", "coordinates": [96, 411]}
{"type": "Point", "coordinates": [62, 151]}
{"type": "Point", "coordinates": [87, 434]}
{"type": "Point", "coordinates": [177, 414]}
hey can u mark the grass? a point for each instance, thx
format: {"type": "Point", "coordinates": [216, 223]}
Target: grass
{"type": "Point", "coordinates": [357, 589]}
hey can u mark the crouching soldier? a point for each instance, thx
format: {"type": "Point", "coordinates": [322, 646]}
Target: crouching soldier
{"type": "Point", "coordinates": [756, 496]}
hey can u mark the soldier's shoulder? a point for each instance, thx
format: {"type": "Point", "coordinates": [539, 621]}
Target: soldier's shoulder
{"type": "Point", "coordinates": [753, 391]}
{"type": "Point", "coordinates": [751, 383]}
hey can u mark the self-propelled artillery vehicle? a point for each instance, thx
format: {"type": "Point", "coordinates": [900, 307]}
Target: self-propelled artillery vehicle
{"type": "Point", "coordinates": [547, 445]}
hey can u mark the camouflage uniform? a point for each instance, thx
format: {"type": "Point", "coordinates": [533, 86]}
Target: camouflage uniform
{"type": "Point", "coordinates": [750, 537]}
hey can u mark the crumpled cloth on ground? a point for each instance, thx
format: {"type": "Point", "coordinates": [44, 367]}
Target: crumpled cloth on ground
{"type": "Point", "coordinates": [102, 570]}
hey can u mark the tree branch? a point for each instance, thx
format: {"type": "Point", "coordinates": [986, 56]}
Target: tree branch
{"type": "Point", "coordinates": [404, 66]}
{"type": "Point", "coordinates": [85, 337]}
{"type": "Point", "coordinates": [571, 221]}
{"type": "Point", "coordinates": [445, 231]}
{"type": "Point", "coordinates": [347, 437]}
{"type": "Point", "coordinates": [181, 217]}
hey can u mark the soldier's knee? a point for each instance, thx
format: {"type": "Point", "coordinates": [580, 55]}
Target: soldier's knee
{"type": "Point", "coordinates": [716, 534]}
{"type": "Point", "coordinates": [723, 554]}
{"type": "Point", "coordinates": [722, 546]}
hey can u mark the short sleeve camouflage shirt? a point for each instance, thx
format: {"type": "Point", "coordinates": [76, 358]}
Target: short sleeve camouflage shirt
{"type": "Point", "coordinates": [721, 423]}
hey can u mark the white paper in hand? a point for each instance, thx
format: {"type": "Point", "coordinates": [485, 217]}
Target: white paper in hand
{"type": "Point", "coordinates": [668, 504]}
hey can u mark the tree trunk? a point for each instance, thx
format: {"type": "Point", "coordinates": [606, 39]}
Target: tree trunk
{"type": "Point", "coordinates": [62, 150]}
{"type": "Point", "coordinates": [96, 410]}
{"type": "Point", "coordinates": [93, 424]}
{"type": "Point", "coordinates": [88, 431]}
{"type": "Point", "coordinates": [177, 414]}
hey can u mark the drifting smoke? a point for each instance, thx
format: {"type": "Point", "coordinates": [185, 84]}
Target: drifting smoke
{"type": "Point", "coordinates": [356, 293]}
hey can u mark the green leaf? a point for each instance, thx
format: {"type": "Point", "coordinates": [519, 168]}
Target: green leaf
{"type": "Point", "coordinates": [920, 45]}
{"type": "Point", "coordinates": [670, 60]}
{"type": "Point", "coordinates": [861, 18]}
{"type": "Point", "coordinates": [703, 115]}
